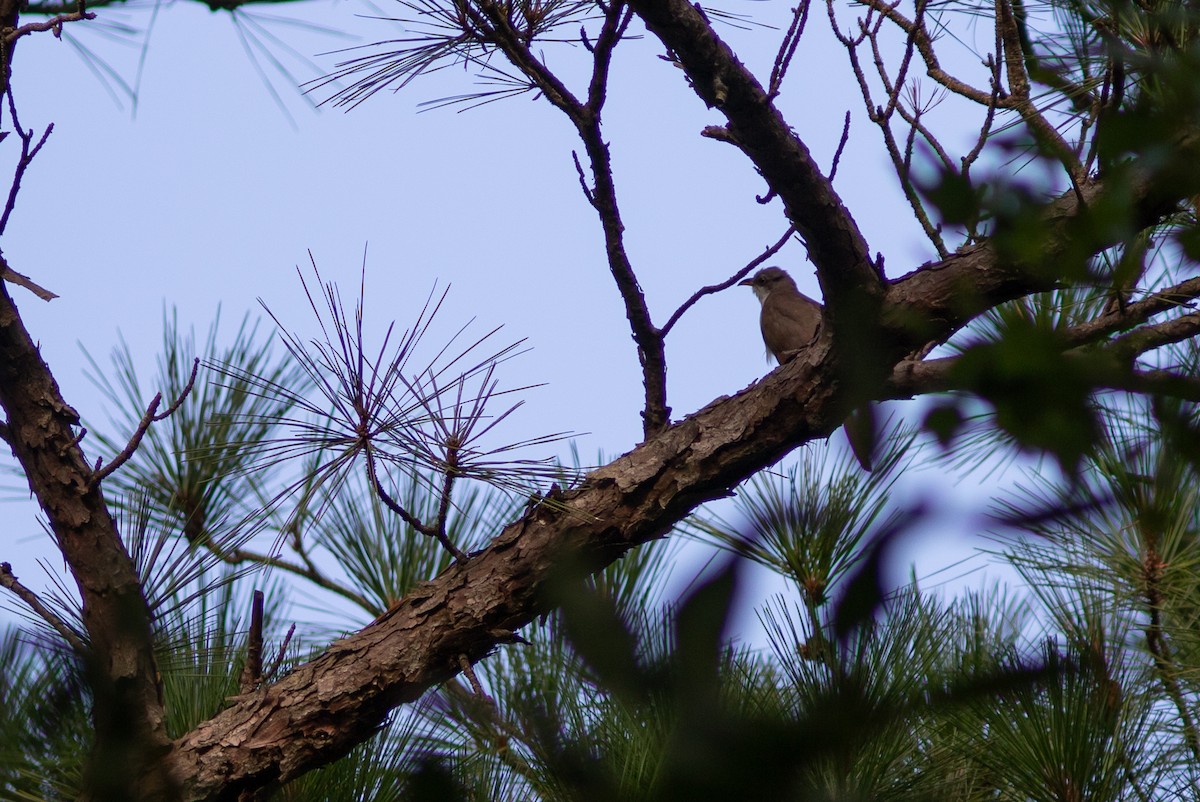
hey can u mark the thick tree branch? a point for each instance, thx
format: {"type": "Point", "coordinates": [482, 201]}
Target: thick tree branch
{"type": "Point", "coordinates": [322, 708]}
{"type": "Point", "coordinates": [127, 708]}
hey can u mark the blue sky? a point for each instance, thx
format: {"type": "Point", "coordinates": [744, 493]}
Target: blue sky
{"type": "Point", "coordinates": [211, 196]}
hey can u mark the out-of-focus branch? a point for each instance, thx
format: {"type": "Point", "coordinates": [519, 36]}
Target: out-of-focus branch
{"type": "Point", "coordinates": [1133, 314]}
{"type": "Point", "coordinates": [1156, 643]}
{"type": "Point", "coordinates": [917, 377]}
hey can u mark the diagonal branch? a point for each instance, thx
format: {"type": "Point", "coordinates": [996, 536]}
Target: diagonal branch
{"type": "Point", "coordinates": [10, 582]}
{"type": "Point", "coordinates": [727, 283]}
{"type": "Point", "coordinates": [127, 708]}
{"type": "Point", "coordinates": [323, 707]}
{"type": "Point", "coordinates": [852, 283]}
{"type": "Point", "coordinates": [144, 426]}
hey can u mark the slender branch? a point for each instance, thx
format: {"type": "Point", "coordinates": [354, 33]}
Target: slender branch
{"type": "Point", "coordinates": [1148, 338]}
{"type": "Point", "coordinates": [837, 154]}
{"type": "Point", "coordinates": [10, 582]}
{"type": "Point", "coordinates": [53, 24]}
{"type": "Point", "coordinates": [308, 571]}
{"type": "Point", "coordinates": [29, 152]}
{"type": "Point", "coordinates": [273, 669]}
{"type": "Point", "coordinates": [405, 515]}
{"type": "Point", "coordinates": [602, 195]}
{"type": "Point", "coordinates": [729, 282]}
{"type": "Point", "coordinates": [852, 281]}
{"type": "Point", "coordinates": [787, 48]}
{"type": "Point", "coordinates": [616, 21]}
{"type": "Point", "coordinates": [915, 377]}
{"type": "Point", "coordinates": [881, 116]}
{"type": "Point", "coordinates": [144, 426]}
{"type": "Point", "coordinates": [21, 280]}
{"type": "Point", "coordinates": [1118, 319]}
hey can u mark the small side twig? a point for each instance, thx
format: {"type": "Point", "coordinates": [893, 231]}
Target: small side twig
{"type": "Point", "coordinates": [724, 285]}
{"type": "Point", "coordinates": [29, 151]}
{"type": "Point", "coordinates": [787, 48]}
{"type": "Point", "coordinates": [837, 154]}
{"type": "Point", "coordinates": [469, 672]}
{"type": "Point", "coordinates": [10, 582]}
{"type": "Point", "coordinates": [282, 653]}
{"type": "Point", "coordinates": [53, 24]}
{"type": "Point", "coordinates": [407, 516]}
{"type": "Point", "coordinates": [587, 191]}
{"type": "Point", "coordinates": [22, 280]}
{"type": "Point", "coordinates": [144, 426]}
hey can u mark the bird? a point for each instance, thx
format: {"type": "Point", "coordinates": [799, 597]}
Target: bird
{"type": "Point", "coordinates": [790, 319]}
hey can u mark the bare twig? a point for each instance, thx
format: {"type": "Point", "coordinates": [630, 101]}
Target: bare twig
{"type": "Point", "coordinates": [405, 515]}
{"type": "Point", "coordinates": [881, 116]}
{"type": "Point", "coordinates": [9, 581]}
{"type": "Point", "coordinates": [837, 154]}
{"type": "Point", "coordinates": [729, 282]}
{"type": "Point", "coordinates": [787, 48]}
{"type": "Point", "coordinates": [53, 24]}
{"type": "Point", "coordinates": [493, 20]}
{"type": "Point", "coordinates": [252, 670]}
{"type": "Point", "coordinates": [587, 191]}
{"type": "Point", "coordinates": [273, 669]}
{"type": "Point", "coordinates": [144, 426]}
{"type": "Point", "coordinates": [29, 151]}
{"type": "Point", "coordinates": [21, 280]}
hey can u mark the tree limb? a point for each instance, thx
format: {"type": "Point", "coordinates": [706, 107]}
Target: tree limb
{"type": "Point", "coordinates": [127, 711]}
{"type": "Point", "coordinates": [850, 279]}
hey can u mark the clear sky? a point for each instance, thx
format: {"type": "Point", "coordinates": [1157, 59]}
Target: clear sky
{"type": "Point", "coordinates": [210, 195]}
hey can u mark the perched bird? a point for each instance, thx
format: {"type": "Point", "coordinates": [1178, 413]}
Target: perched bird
{"type": "Point", "coordinates": [789, 319]}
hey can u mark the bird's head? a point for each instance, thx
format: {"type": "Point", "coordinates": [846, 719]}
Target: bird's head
{"type": "Point", "coordinates": [767, 280]}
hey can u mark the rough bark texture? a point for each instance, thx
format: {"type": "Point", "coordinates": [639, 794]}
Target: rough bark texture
{"type": "Point", "coordinates": [325, 707]}
{"type": "Point", "coordinates": [127, 707]}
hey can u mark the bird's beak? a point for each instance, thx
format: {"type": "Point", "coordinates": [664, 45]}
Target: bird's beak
{"type": "Point", "coordinates": [749, 282]}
